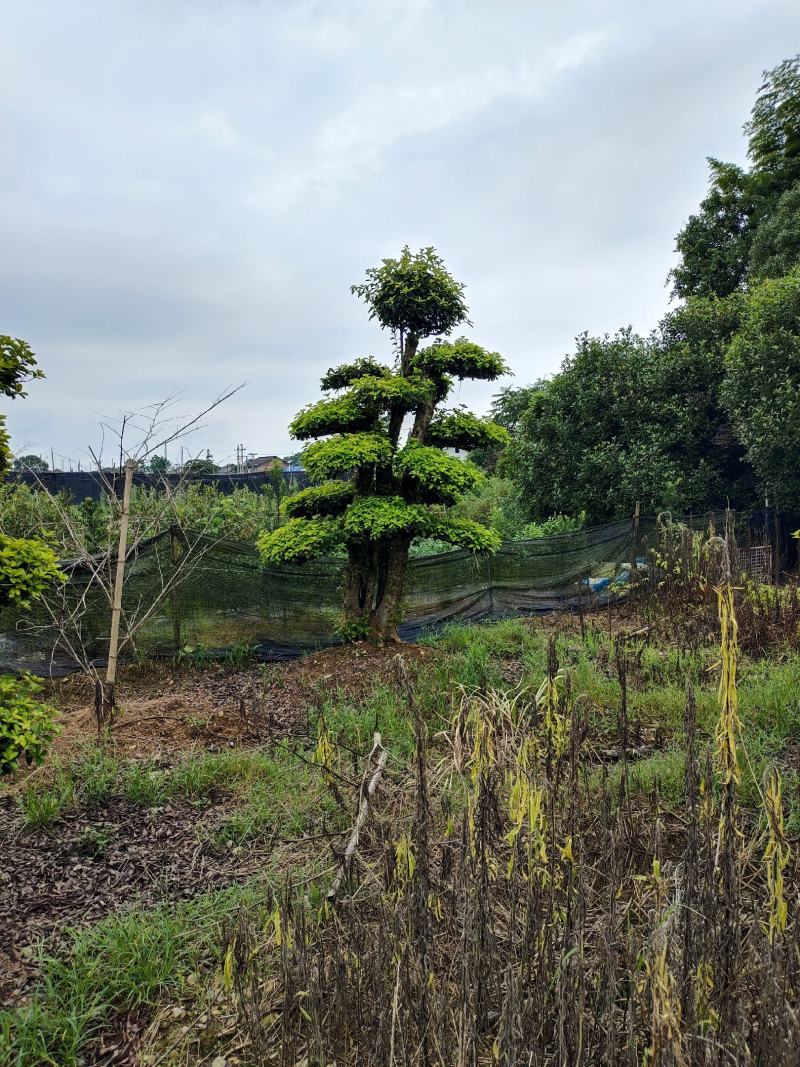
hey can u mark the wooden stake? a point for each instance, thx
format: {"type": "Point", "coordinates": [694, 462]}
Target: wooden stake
{"type": "Point", "coordinates": [106, 710]}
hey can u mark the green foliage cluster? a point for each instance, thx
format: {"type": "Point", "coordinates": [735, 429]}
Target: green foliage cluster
{"type": "Point", "coordinates": [359, 409]}
{"type": "Point", "coordinates": [299, 540]}
{"type": "Point", "coordinates": [346, 452]}
{"type": "Point", "coordinates": [462, 429]}
{"type": "Point", "coordinates": [340, 414]}
{"type": "Point", "coordinates": [555, 526]}
{"type": "Point", "coordinates": [408, 392]}
{"type": "Point", "coordinates": [27, 726]}
{"type": "Point", "coordinates": [721, 244]}
{"type": "Point", "coordinates": [462, 359]}
{"type": "Point", "coordinates": [434, 476]}
{"type": "Point", "coordinates": [27, 568]}
{"type": "Point", "coordinates": [762, 388]}
{"type": "Point", "coordinates": [345, 374]}
{"type": "Point", "coordinates": [413, 294]}
{"type": "Point", "coordinates": [776, 243]}
{"type": "Point", "coordinates": [631, 419]}
{"type": "Point", "coordinates": [377, 516]}
{"type": "Point", "coordinates": [30, 463]}
{"type": "Point", "coordinates": [329, 498]}
{"type": "Point", "coordinates": [464, 533]}
{"type": "Point", "coordinates": [17, 368]}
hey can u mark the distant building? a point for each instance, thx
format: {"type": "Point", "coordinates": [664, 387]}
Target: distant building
{"type": "Point", "coordinates": [264, 464]}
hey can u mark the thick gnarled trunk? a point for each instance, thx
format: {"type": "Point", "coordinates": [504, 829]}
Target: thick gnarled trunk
{"type": "Point", "coordinates": [375, 585]}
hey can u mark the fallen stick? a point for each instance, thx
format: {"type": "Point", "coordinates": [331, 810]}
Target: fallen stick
{"type": "Point", "coordinates": [369, 783]}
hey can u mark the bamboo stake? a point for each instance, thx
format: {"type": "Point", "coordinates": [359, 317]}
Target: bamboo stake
{"type": "Point", "coordinates": [106, 704]}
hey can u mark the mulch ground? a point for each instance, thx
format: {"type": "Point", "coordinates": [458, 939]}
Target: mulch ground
{"type": "Point", "coordinates": [93, 864]}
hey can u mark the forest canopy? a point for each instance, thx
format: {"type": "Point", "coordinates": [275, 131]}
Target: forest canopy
{"type": "Point", "coordinates": [703, 412]}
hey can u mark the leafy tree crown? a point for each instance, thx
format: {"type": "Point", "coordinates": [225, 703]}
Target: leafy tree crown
{"type": "Point", "coordinates": [373, 486]}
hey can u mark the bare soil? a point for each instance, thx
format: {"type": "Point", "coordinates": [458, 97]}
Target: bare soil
{"type": "Point", "coordinates": [168, 709]}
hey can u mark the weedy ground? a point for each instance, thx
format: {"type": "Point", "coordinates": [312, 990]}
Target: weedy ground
{"type": "Point", "coordinates": [581, 850]}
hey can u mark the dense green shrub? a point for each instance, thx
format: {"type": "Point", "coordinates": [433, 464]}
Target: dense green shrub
{"type": "Point", "coordinates": [27, 568]}
{"type": "Point", "coordinates": [27, 726]}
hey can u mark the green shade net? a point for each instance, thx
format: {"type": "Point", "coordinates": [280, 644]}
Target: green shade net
{"type": "Point", "coordinates": [184, 590]}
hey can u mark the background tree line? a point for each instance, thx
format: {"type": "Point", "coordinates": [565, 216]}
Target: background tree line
{"type": "Point", "coordinates": [705, 410]}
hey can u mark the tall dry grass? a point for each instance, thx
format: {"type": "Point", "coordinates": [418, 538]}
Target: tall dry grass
{"type": "Point", "coordinates": [515, 904]}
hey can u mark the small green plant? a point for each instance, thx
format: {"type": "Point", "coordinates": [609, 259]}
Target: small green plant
{"type": "Point", "coordinates": [237, 657]}
{"type": "Point", "coordinates": [240, 655]}
{"type": "Point", "coordinates": [195, 656]}
{"type": "Point", "coordinates": [352, 630]}
{"type": "Point", "coordinates": [95, 840]}
{"type": "Point", "coordinates": [42, 805]}
{"type": "Point", "coordinates": [27, 726]}
{"type": "Point", "coordinates": [27, 568]}
{"type": "Point", "coordinates": [96, 778]}
{"type": "Point", "coordinates": [555, 525]}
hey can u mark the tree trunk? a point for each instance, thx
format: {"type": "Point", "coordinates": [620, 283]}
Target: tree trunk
{"type": "Point", "coordinates": [396, 416]}
{"type": "Point", "coordinates": [393, 565]}
{"type": "Point", "coordinates": [375, 583]}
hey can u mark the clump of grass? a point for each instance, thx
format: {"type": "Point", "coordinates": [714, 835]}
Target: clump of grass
{"type": "Point", "coordinates": [42, 804]}
{"type": "Point", "coordinates": [286, 803]}
{"type": "Point", "coordinates": [96, 778]}
{"type": "Point", "coordinates": [143, 786]}
{"type": "Point", "coordinates": [234, 658]}
{"type": "Point", "coordinates": [200, 777]}
{"type": "Point", "coordinates": [383, 709]}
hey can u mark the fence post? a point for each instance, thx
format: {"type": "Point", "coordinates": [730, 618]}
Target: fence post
{"type": "Point", "coordinates": [636, 518]}
{"type": "Point", "coordinates": [777, 555]}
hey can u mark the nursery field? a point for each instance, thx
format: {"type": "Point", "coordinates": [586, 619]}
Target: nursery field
{"type": "Point", "coordinates": [572, 846]}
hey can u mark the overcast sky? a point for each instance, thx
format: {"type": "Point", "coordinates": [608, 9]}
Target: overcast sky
{"type": "Point", "coordinates": [189, 187]}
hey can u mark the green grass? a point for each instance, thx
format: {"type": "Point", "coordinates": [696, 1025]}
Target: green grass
{"type": "Point", "coordinates": [42, 804]}
{"type": "Point", "coordinates": [384, 709]}
{"type": "Point", "coordinates": [143, 786]}
{"type": "Point", "coordinates": [121, 964]}
{"type": "Point", "coordinates": [663, 773]}
{"type": "Point", "coordinates": [286, 804]}
{"type": "Point", "coordinates": [97, 778]}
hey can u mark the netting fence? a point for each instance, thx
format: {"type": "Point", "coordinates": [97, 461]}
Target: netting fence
{"type": "Point", "coordinates": [192, 591]}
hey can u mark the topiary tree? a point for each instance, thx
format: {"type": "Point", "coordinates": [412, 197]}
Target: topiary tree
{"type": "Point", "coordinates": [375, 491]}
{"type": "Point", "coordinates": [27, 567]}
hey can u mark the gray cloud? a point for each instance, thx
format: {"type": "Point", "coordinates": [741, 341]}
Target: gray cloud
{"type": "Point", "coordinates": [190, 188]}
